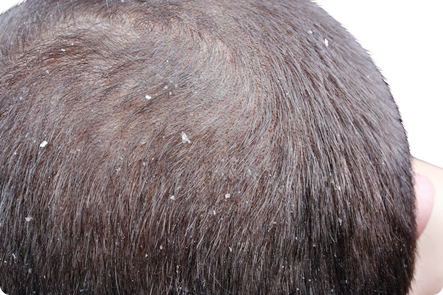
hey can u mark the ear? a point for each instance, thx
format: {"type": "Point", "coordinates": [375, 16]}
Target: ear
{"type": "Point", "coordinates": [425, 194]}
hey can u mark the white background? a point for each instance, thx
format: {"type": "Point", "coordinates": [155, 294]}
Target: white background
{"type": "Point", "coordinates": [405, 39]}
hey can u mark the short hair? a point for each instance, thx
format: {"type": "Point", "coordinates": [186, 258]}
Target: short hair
{"type": "Point", "coordinates": [198, 147]}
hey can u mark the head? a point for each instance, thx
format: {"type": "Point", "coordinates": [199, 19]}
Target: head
{"type": "Point", "coordinates": [201, 147]}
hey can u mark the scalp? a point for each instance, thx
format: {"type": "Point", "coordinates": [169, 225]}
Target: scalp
{"type": "Point", "coordinates": [203, 147]}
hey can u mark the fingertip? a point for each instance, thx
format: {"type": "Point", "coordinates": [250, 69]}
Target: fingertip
{"type": "Point", "coordinates": [425, 195]}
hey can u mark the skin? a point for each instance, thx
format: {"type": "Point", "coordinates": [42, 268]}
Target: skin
{"type": "Point", "coordinates": [429, 265]}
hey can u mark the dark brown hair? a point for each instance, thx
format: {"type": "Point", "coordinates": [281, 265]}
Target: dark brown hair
{"type": "Point", "coordinates": [197, 147]}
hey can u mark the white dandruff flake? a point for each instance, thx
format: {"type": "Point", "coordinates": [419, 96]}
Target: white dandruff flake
{"type": "Point", "coordinates": [161, 247]}
{"type": "Point", "coordinates": [326, 42]}
{"type": "Point", "coordinates": [28, 218]}
{"type": "Point", "coordinates": [230, 249]}
{"type": "Point", "coordinates": [172, 197]}
{"type": "Point", "coordinates": [213, 212]}
{"type": "Point", "coordinates": [309, 32]}
{"type": "Point", "coordinates": [227, 196]}
{"type": "Point", "coordinates": [43, 144]}
{"type": "Point", "coordinates": [340, 221]}
{"type": "Point", "coordinates": [47, 72]}
{"type": "Point", "coordinates": [148, 97]}
{"type": "Point", "coordinates": [185, 138]}
{"type": "Point", "coordinates": [63, 50]}
{"type": "Point", "coordinates": [166, 87]}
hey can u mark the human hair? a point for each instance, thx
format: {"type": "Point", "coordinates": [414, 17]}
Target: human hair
{"type": "Point", "coordinates": [198, 147]}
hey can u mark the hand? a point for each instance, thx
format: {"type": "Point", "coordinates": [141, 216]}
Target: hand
{"type": "Point", "coordinates": [428, 279]}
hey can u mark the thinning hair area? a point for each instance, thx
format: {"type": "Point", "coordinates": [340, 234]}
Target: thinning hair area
{"type": "Point", "coordinates": [198, 147]}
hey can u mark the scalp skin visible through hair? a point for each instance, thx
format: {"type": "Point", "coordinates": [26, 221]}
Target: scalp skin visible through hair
{"type": "Point", "coordinates": [197, 147]}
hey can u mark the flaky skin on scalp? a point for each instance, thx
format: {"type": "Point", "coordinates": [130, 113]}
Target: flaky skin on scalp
{"type": "Point", "coordinates": [197, 147]}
